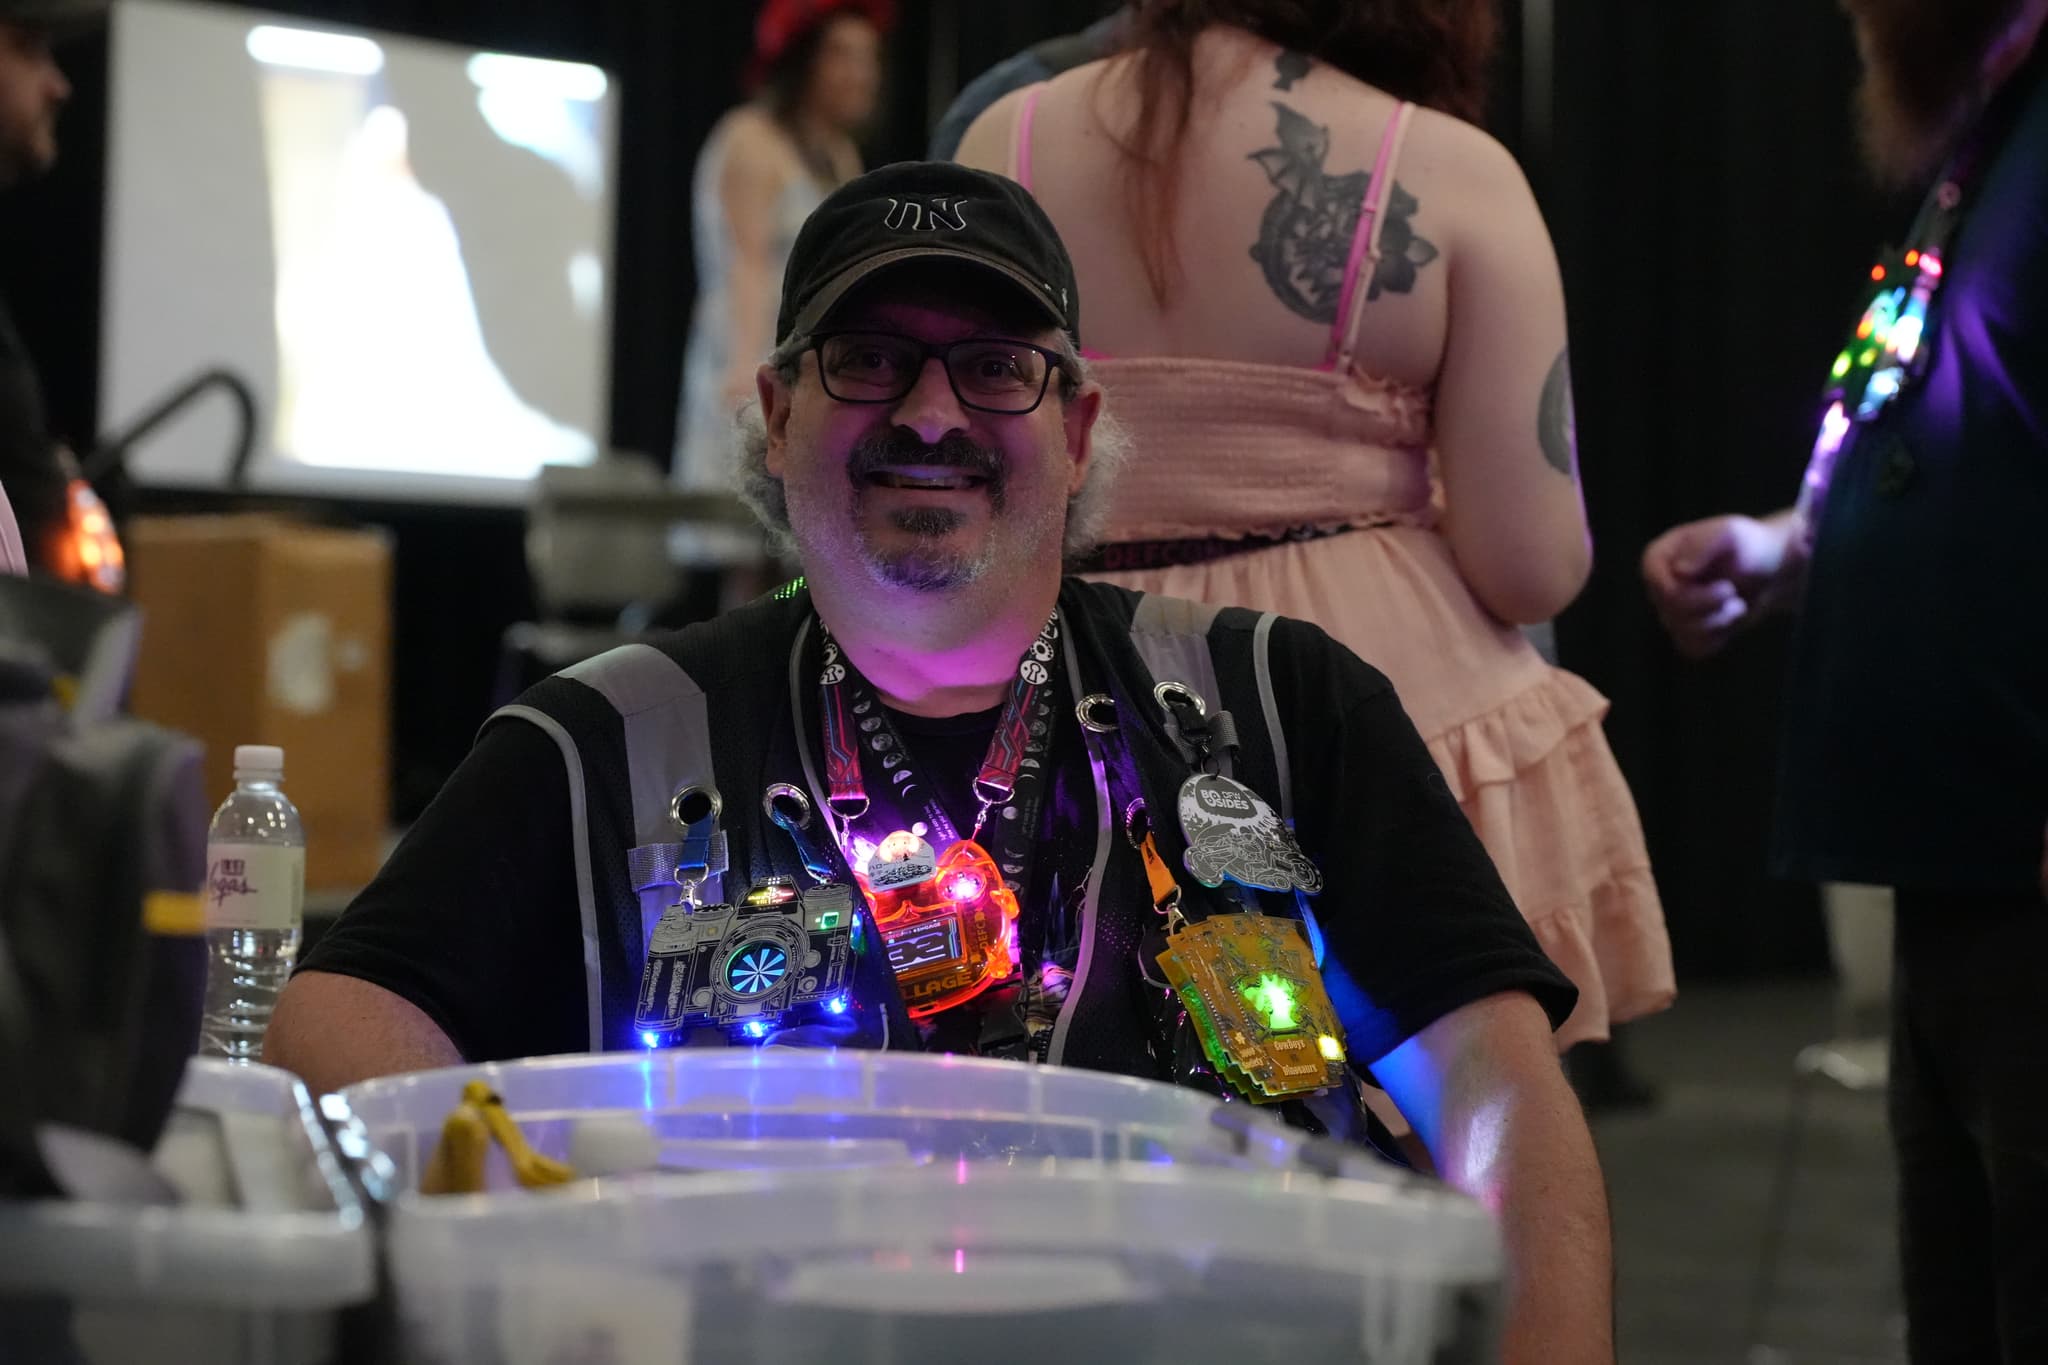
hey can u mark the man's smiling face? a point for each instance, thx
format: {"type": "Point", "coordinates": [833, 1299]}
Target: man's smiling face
{"type": "Point", "coordinates": [925, 493]}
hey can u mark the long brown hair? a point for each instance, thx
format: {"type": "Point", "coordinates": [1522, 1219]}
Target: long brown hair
{"type": "Point", "coordinates": [1432, 52]}
{"type": "Point", "coordinates": [1923, 77]}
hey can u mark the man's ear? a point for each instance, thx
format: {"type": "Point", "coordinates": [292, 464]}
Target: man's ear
{"type": "Point", "coordinates": [775, 406]}
{"type": "Point", "coordinates": [1082, 410]}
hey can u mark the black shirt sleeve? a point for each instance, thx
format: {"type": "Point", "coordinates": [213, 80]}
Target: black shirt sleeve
{"type": "Point", "coordinates": [475, 917]}
{"type": "Point", "coordinates": [1415, 918]}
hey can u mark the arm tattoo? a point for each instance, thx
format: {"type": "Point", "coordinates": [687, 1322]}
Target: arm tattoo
{"type": "Point", "coordinates": [1557, 423]}
{"type": "Point", "coordinates": [1289, 67]}
{"type": "Point", "coordinates": [1305, 235]}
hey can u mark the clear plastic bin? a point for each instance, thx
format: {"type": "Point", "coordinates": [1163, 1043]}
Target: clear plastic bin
{"type": "Point", "coordinates": [268, 1245]}
{"type": "Point", "coordinates": [972, 1211]}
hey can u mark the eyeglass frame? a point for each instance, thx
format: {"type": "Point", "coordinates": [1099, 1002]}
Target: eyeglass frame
{"type": "Point", "coordinates": [1056, 363]}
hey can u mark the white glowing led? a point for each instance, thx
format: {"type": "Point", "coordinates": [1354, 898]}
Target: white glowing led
{"type": "Point", "coordinates": [1906, 337]}
{"type": "Point", "coordinates": [307, 49]}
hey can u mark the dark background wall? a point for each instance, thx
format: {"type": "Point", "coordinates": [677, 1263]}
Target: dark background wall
{"type": "Point", "coordinates": [1696, 166]}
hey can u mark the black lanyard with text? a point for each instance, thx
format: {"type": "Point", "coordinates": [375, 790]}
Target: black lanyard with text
{"type": "Point", "coordinates": [1011, 779]}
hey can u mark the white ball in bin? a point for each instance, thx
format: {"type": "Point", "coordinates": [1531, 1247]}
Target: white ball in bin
{"type": "Point", "coordinates": [612, 1144]}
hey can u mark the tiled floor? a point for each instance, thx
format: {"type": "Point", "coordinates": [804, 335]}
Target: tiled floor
{"type": "Point", "coordinates": [1692, 1186]}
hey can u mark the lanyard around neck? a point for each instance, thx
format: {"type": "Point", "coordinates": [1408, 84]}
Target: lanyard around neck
{"type": "Point", "coordinates": [842, 693]}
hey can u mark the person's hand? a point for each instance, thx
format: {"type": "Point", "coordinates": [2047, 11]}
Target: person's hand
{"type": "Point", "coordinates": [1708, 579]}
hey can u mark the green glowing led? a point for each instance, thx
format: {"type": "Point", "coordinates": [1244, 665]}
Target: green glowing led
{"type": "Point", "coordinates": [1273, 997]}
{"type": "Point", "coordinates": [1841, 365]}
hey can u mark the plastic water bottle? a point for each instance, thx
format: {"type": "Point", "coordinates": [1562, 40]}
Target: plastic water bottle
{"type": "Point", "coordinates": [255, 904]}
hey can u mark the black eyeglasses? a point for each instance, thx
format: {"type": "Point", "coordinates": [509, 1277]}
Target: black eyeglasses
{"type": "Point", "coordinates": [987, 374]}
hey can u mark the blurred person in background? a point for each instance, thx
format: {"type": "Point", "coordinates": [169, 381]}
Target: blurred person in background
{"type": "Point", "coordinates": [816, 73]}
{"type": "Point", "coordinates": [1334, 324]}
{"type": "Point", "coordinates": [1039, 62]}
{"type": "Point", "coordinates": [1915, 750]}
{"type": "Point", "coordinates": [39, 475]}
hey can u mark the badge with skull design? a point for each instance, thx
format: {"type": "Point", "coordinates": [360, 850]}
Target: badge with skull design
{"type": "Point", "coordinates": [1233, 835]}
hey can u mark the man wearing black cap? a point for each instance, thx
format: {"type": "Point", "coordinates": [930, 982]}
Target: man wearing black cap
{"type": "Point", "coordinates": [32, 91]}
{"type": "Point", "coordinates": [929, 442]}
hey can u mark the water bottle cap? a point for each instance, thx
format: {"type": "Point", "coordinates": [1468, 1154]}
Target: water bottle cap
{"type": "Point", "coordinates": [259, 760]}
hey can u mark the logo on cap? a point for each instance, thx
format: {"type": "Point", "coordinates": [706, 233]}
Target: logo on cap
{"type": "Point", "coordinates": [909, 215]}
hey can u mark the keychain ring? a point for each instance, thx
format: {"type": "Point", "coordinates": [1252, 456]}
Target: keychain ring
{"type": "Point", "coordinates": [1170, 688]}
{"type": "Point", "coordinates": [773, 800]}
{"type": "Point", "coordinates": [704, 800]}
{"type": "Point", "coordinates": [1090, 707]}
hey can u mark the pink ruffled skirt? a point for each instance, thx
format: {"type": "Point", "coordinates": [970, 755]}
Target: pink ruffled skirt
{"type": "Point", "coordinates": [1519, 742]}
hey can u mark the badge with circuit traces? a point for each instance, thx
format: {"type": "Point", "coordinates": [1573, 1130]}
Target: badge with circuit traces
{"type": "Point", "coordinates": [1251, 989]}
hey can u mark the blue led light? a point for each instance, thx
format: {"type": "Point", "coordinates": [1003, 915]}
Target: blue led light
{"type": "Point", "coordinates": [756, 1029]}
{"type": "Point", "coordinates": [1315, 930]}
{"type": "Point", "coordinates": [649, 1038]}
{"type": "Point", "coordinates": [836, 1005]}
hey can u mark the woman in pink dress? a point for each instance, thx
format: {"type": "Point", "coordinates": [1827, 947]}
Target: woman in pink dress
{"type": "Point", "coordinates": [1327, 308]}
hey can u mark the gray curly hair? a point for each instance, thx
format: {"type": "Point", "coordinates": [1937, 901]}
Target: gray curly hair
{"type": "Point", "coordinates": [762, 492]}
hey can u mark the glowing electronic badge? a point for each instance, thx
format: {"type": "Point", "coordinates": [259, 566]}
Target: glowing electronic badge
{"type": "Point", "coordinates": [774, 958]}
{"type": "Point", "coordinates": [1249, 981]}
{"type": "Point", "coordinates": [947, 922]}
{"type": "Point", "coordinates": [947, 918]}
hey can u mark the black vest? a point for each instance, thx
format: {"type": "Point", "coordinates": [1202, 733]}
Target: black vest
{"type": "Point", "coordinates": [723, 704]}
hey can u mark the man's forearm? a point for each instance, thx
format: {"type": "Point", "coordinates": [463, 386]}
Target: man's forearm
{"type": "Point", "coordinates": [1543, 1184]}
{"type": "Point", "coordinates": [1485, 1090]}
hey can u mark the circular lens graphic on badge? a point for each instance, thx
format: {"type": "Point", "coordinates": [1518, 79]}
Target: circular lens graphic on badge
{"type": "Point", "coordinates": [756, 968]}
{"type": "Point", "coordinates": [1233, 835]}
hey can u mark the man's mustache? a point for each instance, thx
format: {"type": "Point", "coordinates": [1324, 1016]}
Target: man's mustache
{"type": "Point", "coordinates": [898, 448]}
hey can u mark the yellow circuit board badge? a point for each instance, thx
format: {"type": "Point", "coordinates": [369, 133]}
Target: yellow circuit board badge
{"type": "Point", "coordinates": [1251, 989]}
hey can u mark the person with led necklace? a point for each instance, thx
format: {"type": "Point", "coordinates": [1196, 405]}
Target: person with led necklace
{"type": "Point", "coordinates": [1914, 753]}
{"type": "Point", "coordinates": [1095, 816]}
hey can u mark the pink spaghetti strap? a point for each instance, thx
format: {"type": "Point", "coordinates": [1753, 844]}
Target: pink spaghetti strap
{"type": "Point", "coordinates": [1020, 150]}
{"type": "Point", "coordinates": [1365, 242]}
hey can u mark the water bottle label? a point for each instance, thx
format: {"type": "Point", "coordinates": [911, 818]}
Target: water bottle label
{"type": "Point", "coordinates": [255, 886]}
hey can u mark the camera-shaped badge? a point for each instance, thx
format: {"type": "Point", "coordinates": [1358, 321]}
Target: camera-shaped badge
{"type": "Point", "coordinates": [778, 958]}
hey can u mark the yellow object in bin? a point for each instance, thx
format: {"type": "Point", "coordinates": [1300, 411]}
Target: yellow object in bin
{"type": "Point", "coordinates": [457, 1166]}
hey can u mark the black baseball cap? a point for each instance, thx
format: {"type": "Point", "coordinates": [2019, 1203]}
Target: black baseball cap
{"type": "Point", "coordinates": [921, 211]}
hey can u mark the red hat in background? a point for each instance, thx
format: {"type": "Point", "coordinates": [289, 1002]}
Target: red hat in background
{"type": "Point", "coordinates": [782, 22]}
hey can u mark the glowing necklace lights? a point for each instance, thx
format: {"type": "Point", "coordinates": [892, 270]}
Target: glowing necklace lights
{"type": "Point", "coordinates": [1887, 351]}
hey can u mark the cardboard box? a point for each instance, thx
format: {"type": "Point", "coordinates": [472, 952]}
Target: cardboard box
{"type": "Point", "coordinates": [257, 630]}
